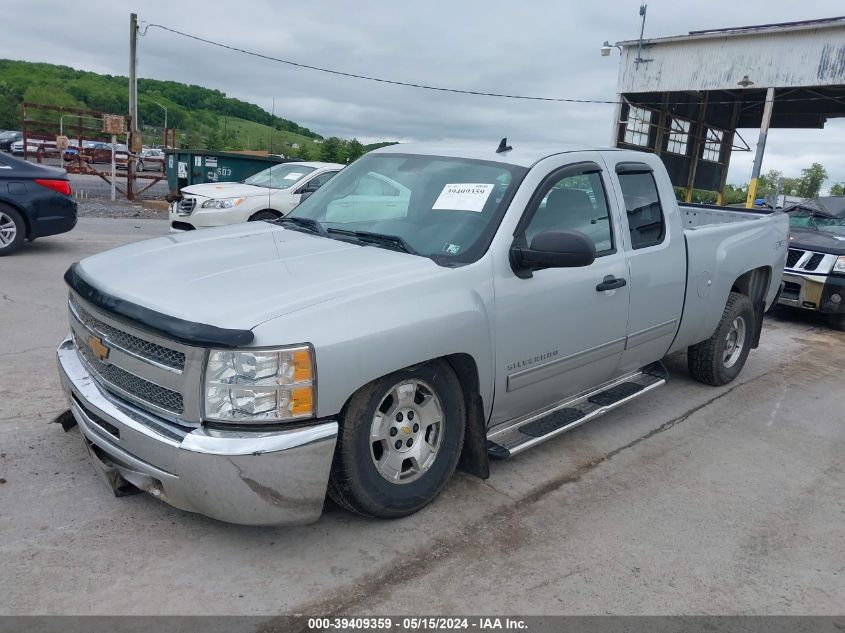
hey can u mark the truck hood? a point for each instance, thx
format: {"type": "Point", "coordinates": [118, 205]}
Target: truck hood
{"type": "Point", "coordinates": [228, 190]}
{"type": "Point", "coordinates": [243, 275]}
{"type": "Point", "coordinates": [820, 241]}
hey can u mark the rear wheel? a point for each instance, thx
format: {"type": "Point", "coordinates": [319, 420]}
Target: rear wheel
{"type": "Point", "coordinates": [140, 166]}
{"type": "Point", "coordinates": [399, 442]}
{"type": "Point", "coordinates": [264, 215]}
{"type": "Point", "coordinates": [719, 359]}
{"type": "Point", "coordinates": [12, 230]}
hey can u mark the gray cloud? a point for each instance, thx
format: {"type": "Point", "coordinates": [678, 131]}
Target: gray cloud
{"type": "Point", "coordinates": [542, 47]}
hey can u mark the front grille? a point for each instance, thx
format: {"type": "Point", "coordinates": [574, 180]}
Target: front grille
{"type": "Point", "coordinates": [134, 385]}
{"type": "Point", "coordinates": [187, 205]}
{"type": "Point", "coordinates": [793, 256]}
{"type": "Point", "coordinates": [145, 349]}
{"type": "Point", "coordinates": [814, 261]}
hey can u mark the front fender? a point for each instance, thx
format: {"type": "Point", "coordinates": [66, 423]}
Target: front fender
{"type": "Point", "coordinates": [383, 329]}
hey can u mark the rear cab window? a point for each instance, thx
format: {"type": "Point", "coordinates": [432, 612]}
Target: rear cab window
{"type": "Point", "coordinates": [646, 220]}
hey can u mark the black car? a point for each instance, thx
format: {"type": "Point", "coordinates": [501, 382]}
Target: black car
{"type": "Point", "coordinates": [35, 201]}
{"type": "Point", "coordinates": [814, 276]}
{"type": "Point", "coordinates": [7, 138]}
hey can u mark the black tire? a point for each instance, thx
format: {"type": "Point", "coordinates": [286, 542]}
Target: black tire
{"type": "Point", "coordinates": [356, 484]}
{"type": "Point", "coordinates": [264, 215]}
{"type": "Point", "coordinates": [837, 322]}
{"type": "Point", "coordinates": [706, 360]}
{"type": "Point", "coordinates": [8, 215]}
{"type": "Point", "coordinates": [140, 166]}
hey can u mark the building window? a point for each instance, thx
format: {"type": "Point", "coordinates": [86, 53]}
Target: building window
{"type": "Point", "coordinates": [713, 145]}
{"type": "Point", "coordinates": [637, 126]}
{"type": "Point", "coordinates": [678, 137]}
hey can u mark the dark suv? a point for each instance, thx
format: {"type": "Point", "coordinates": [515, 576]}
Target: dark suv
{"type": "Point", "coordinates": [7, 138]}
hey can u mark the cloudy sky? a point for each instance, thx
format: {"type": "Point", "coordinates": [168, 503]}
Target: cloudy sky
{"type": "Point", "coordinates": [536, 47]}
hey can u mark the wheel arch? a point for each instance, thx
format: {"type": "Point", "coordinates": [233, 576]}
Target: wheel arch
{"type": "Point", "coordinates": [275, 212]}
{"type": "Point", "coordinates": [26, 221]}
{"type": "Point", "coordinates": [754, 284]}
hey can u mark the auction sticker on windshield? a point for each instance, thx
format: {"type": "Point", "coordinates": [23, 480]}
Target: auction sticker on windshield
{"type": "Point", "coordinates": [463, 196]}
{"type": "Point", "coordinates": [294, 175]}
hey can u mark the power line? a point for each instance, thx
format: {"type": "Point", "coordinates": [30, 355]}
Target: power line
{"type": "Point", "coordinates": [369, 78]}
{"type": "Point", "coordinates": [407, 84]}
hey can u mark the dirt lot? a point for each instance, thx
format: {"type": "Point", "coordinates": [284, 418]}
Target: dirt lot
{"type": "Point", "coordinates": [691, 500]}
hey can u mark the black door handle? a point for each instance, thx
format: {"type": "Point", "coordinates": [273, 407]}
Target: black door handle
{"type": "Point", "coordinates": [610, 283]}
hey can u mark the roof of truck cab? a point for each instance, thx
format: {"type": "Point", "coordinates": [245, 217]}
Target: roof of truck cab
{"type": "Point", "coordinates": [524, 154]}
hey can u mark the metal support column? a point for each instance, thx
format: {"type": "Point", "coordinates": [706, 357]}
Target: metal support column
{"type": "Point", "coordinates": [697, 133]}
{"type": "Point", "coordinates": [661, 124]}
{"type": "Point", "coordinates": [761, 148]}
{"type": "Point", "coordinates": [726, 151]}
{"type": "Point", "coordinates": [617, 114]}
{"type": "Point", "coordinates": [133, 106]}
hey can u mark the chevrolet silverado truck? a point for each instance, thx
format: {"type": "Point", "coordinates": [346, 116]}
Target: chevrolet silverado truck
{"type": "Point", "coordinates": [366, 350]}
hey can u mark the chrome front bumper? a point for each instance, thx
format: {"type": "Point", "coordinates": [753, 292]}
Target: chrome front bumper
{"type": "Point", "coordinates": [246, 477]}
{"type": "Point", "coordinates": [802, 291]}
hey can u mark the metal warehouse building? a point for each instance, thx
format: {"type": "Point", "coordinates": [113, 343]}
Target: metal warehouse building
{"type": "Point", "coordinates": [684, 97]}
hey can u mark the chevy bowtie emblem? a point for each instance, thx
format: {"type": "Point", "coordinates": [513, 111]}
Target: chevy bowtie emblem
{"type": "Point", "coordinates": [98, 348]}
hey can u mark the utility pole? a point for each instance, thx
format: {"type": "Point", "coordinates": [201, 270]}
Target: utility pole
{"type": "Point", "coordinates": [133, 105]}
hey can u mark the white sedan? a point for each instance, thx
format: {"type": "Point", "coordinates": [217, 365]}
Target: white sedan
{"type": "Point", "coordinates": [269, 194]}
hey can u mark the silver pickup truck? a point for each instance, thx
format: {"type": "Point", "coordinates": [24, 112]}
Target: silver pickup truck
{"type": "Point", "coordinates": [432, 306]}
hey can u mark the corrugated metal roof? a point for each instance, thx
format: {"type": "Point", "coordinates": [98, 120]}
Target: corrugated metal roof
{"type": "Point", "coordinates": [739, 31]}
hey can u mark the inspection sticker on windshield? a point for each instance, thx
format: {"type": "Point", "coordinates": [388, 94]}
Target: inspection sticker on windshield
{"type": "Point", "coordinates": [463, 196]}
{"type": "Point", "coordinates": [294, 175]}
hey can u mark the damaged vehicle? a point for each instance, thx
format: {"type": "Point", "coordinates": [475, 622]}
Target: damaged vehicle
{"type": "Point", "coordinates": [814, 276]}
{"type": "Point", "coordinates": [364, 348]}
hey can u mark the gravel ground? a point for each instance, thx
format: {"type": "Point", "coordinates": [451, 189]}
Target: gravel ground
{"type": "Point", "coordinates": [93, 195]}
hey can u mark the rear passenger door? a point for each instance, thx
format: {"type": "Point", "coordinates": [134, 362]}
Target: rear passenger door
{"type": "Point", "coordinates": [656, 253]}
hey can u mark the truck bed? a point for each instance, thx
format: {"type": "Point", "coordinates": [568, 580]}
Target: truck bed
{"type": "Point", "coordinates": [722, 244]}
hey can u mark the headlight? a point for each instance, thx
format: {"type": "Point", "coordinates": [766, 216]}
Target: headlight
{"type": "Point", "coordinates": [261, 386]}
{"type": "Point", "coordinates": [839, 265]}
{"type": "Point", "coordinates": [222, 203]}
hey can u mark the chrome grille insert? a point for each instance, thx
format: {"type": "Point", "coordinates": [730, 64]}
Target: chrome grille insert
{"type": "Point", "coordinates": [131, 384]}
{"type": "Point", "coordinates": [187, 206]}
{"type": "Point", "coordinates": [793, 256]}
{"type": "Point", "coordinates": [132, 344]}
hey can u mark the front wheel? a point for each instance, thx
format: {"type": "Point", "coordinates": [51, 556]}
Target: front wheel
{"type": "Point", "coordinates": [719, 359]}
{"type": "Point", "coordinates": [140, 166]}
{"type": "Point", "coordinates": [399, 442]}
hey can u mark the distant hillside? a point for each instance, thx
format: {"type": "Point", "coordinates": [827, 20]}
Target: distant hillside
{"type": "Point", "coordinates": [203, 116]}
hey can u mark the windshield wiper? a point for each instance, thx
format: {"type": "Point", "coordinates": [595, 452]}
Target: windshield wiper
{"type": "Point", "coordinates": [393, 242]}
{"type": "Point", "coordinates": [302, 223]}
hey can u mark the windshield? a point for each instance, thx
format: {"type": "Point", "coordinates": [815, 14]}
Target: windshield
{"type": "Point", "coordinates": [5, 135]}
{"type": "Point", "coordinates": [806, 219]}
{"type": "Point", "coordinates": [279, 176]}
{"type": "Point", "coordinates": [444, 208]}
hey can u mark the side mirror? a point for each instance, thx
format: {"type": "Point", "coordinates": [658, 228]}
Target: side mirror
{"type": "Point", "coordinates": [553, 249]}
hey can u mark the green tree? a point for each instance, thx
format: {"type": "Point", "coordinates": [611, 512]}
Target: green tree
{"type": "Point", "coordinates": [331, 150]}
{"type": "Point", "coordinates": [811, 180]}
{"type": "Point", "coordinates": [354, 150]}
{"type": "Point", "coordinates": [214, 141]}
{"type": "Point", "coordinates": [735, 195]}
{"type": "Point", "coordinates": [837, 189]}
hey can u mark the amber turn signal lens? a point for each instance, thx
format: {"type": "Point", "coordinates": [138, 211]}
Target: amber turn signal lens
{"type": "Point", "coordinates": [302, 401]}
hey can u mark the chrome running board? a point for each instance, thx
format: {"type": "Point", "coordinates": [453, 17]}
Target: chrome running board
{"type": "Point", "coordinates": [529, 430]}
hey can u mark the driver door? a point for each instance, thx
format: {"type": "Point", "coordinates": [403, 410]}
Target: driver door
{"type": "Point", "coordinates": [559, 333]}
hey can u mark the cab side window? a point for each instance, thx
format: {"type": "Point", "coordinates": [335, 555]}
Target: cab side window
{"type": "Point", "coordinates": [575, 202]}
{"type": "Point", "coordinates": [319, 181]}
{"type": "Point", "coordinates": [642, 204]}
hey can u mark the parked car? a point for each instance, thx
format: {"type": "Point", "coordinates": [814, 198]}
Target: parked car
{"type": "Point", "coordinates": [96, 152]}
{"type": "Point", "coordinates": [514, 294]}
{"type": "Point", "coordinates": [16, 148]}
{"type": "Point", "coordinates": [814, 277]}
{"type": "Point", "coordinates": [35, 201]}
{"type": "Point", "coordinates": [266, 195]}
{"type": "Point", "coordinates": [7, 138]}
